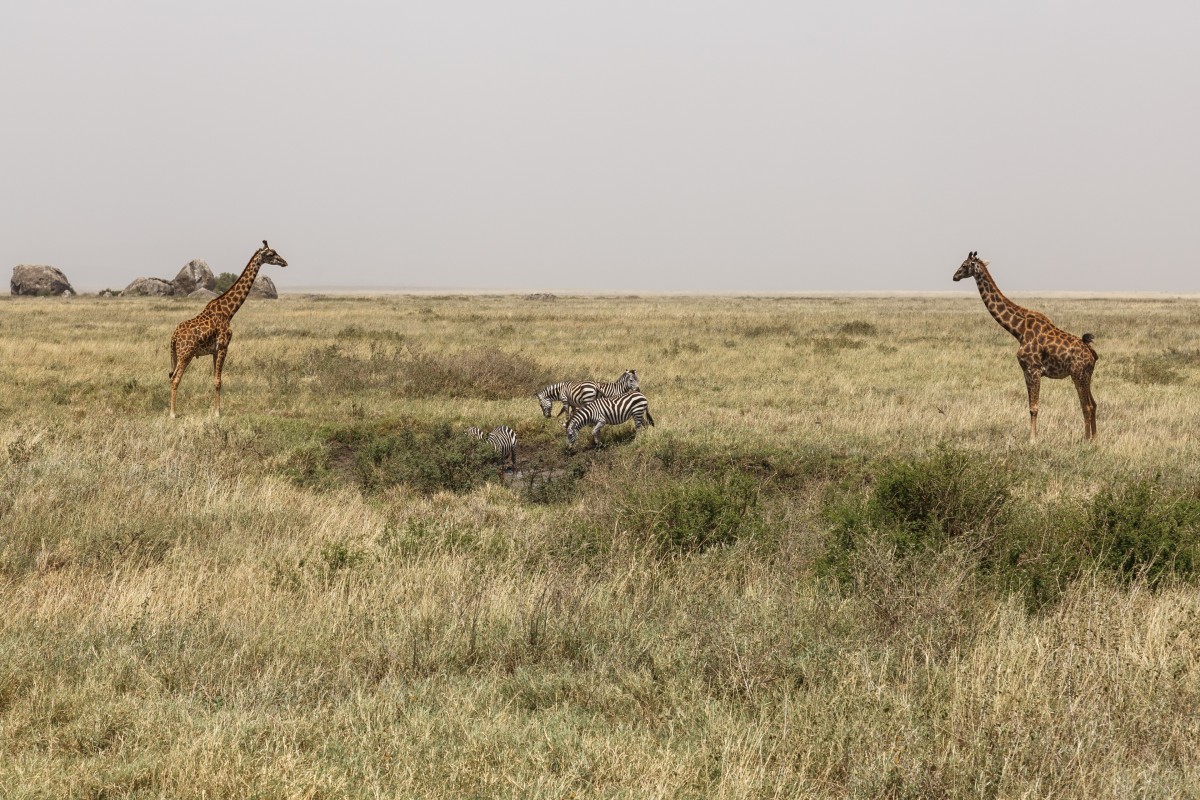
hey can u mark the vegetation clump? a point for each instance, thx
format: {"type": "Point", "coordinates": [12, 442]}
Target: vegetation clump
{"type": "Point", "coordinates": [1144, 530]}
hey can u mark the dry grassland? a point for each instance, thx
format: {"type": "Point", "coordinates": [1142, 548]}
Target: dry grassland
{"type": "Point", "coordinates": [835, 568]}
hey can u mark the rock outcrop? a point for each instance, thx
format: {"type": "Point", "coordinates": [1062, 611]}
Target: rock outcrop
{"type": "Point", "coordinates": [194, 275]}
{"type": "Point", "coordinates": [202, 294]}
{"type": "Point", "coordinates": [149, 287]}
{"type": "Point", "coordinates": [39, 280]}
{"type": "Point", "coordinates": [264, 287]}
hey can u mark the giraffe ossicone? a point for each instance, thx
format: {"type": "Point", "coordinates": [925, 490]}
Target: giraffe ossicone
{"type": "Point", "coordinates": [208, 332]}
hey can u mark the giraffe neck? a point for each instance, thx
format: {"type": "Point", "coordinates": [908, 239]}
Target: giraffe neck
{"type": "Point", "coordinates": [228, 303]}
{"type": "Point", "coordinates": [1005, 311]}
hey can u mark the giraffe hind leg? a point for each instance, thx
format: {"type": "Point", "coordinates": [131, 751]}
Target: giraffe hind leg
{"type": "Point", "coordinates": [1083, 386]}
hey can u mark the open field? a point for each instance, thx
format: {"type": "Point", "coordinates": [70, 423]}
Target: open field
{"type": "Point", "coordinates": [835, 567]}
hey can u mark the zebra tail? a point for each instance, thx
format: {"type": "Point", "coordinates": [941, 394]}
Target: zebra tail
{"type": "Point", "coordinates": [649, 418]}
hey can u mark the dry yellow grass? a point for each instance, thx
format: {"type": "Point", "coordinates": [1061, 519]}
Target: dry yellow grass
{"type": "Point", "coordinates": [185, 614]}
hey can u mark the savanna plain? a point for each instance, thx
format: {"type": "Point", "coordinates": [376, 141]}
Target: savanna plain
{"type": "Point", "coordinates": [835, 567]}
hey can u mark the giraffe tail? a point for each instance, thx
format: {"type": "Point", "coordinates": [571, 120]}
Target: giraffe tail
{"type": "Point", "coordinates": [1087, 341]}
{"type": "Point", "coordinates": [171, 374]}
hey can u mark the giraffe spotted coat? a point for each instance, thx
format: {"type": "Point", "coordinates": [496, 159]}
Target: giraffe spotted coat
{"type": "Point", "coordinates": [208, 332]}
{"type": "Point", "coordinates": [1045, 349]}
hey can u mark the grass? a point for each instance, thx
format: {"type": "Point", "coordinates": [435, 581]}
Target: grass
{"type": "Point", "coordinates": [835, 567]}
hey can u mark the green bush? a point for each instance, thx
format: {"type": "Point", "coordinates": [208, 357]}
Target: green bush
{"type": "Point", "coordinates": [947, 494]}
{"type": "Point", "coordinates": [696, 513]}
{"type": "Point", "coordinates": [1145, 529]}
{"type": "Point", "coordinates": [429, 459]}
{"type": "Point", "coordinates": [224, 281]}
{"type": "Point", "coordinates": [919, 504]}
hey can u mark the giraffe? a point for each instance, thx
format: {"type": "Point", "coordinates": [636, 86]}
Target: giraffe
{"type": "Point", "coordinates": [1045, 350]}
{"type": "Point", "coordinates": [208, 332]}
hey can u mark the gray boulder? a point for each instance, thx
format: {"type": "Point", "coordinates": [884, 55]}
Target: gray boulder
{"type": "Point", "coordinates": [194, 275]}
{"type": "Point", "coordinates": [202, 294]}
{"type": "Point", "coordinates": [39, 279]}
{"type": "Point", "coordinates": [264, 287]}
{"type": "Point", "coordinates": [149, 287]}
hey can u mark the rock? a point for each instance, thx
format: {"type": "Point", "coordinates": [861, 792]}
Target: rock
{"type": "Point", "coordinates": [68, 293]}
{"type": "Point", "coordinates": [202, 294]}
{"type": "Point", "coordinates": [264, 287]}
{"type": "Point", "coordinates": [149, 287]}
{"type": "Point", "coordinates": [541, 296]}
{"type": "Point", "coordinates": [194, 275]}
{"type": "Point", "coordinates": [107, 293]}
{"type": "Point", "coordinates": [39, 279]}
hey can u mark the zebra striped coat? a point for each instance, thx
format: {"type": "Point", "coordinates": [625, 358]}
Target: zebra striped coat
{"type": "Point", "coordinates": [503, 440]}
{"type": "Point", "coordinates": [569, 393]}
{"type": "Point", "coordinates": [610, 411]}
{"type": "Point", "coordinates": [574, 394]}
{"type": "Point", "coordinates": [628, 382]}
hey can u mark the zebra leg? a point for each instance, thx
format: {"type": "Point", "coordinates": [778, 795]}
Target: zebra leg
{"type": "Point", "coordinates": [596, 434]}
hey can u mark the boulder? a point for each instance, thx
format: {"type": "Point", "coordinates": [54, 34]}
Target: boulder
{"type": "Point", "coordinates": [202, 294]}
{"type": "Point", "coordinates": [149, 287]}
{"type": "Point", "coordinates": [39, 279]}
{"type": "Point", "coordinates": [264, 287]}
{"type": "Point", "coordinates": [194, 275]}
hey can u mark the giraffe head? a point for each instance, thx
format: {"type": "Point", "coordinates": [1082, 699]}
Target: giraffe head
{"type": "Point", "coordinates": [269, 256]}
{"type": "Point", "coordinates": [970, 268]}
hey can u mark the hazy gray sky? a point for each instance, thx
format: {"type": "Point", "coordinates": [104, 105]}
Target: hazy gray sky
{"type": "Point", "coordinates": [677, 146]}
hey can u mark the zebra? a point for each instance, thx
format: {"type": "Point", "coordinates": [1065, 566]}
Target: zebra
{"type": "Point", "coordinates": [609, 411]}
{"type": "Point", "coordinates": [628, 382]}
{"type": "Point", "coordinates": [575, 394]}
{"type": "Point", "coordinates": [503, 440]}
{"type": "Point", "coordinates": [569, 393]}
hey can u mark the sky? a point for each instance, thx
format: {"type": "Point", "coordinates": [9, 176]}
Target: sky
{"type": "Point", "coordinates": [602, 146]}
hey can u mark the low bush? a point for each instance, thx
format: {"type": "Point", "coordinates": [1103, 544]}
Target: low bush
{"type": "Point", "coordinates": [918, 504]}
{"type": "Point", "coordinates": [410, 371]}
{"type": "Point", "coordinates": [429, 458]}
{"type": "Point", "coordinates": [694, 514]}
{"type": "Point", "coordinates": [1144, 529]}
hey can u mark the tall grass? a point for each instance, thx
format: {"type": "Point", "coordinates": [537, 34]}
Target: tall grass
{"type": "Point", "coordinates": [835, 567]}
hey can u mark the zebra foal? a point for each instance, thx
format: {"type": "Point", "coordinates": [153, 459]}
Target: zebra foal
{"type": "Point", "coordinates": [609, 411]}
{"type": "Point", "coordinates": [503, 440]}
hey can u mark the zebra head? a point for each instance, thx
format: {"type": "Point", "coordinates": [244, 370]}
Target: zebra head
{"type": "Point", "coordinates": [573, 424]}
{"type": "Point", "coordinates": [474, 433]}
{"type": "Point", "coordinates": [546, 398]}
{"type": "Point", "coordinates": [628, 382]}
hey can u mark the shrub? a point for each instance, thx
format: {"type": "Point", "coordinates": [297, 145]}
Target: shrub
{"type": "Point", "coordinates": [485, 373]}
{"type": "Point", "coordinates": [857, 327]}
{"type": "Point", "coordinates": [224, 281]}
{"type": "Point", "coordinates": [696, 513]}
{"type": "Point", "coordinates": [1143, 529]}
{"type": "Point", "coordinates": [428, 458]}
{"type": "Point", "coordinates": [919, 504]}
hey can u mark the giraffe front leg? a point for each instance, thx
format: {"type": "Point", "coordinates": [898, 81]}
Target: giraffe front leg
{"type": "Point", "coordinates": [218, 364]}
{"type": "Point", "coordinates": [177, 376]}
{"type": "Point", "coordinates": [1033, 380]}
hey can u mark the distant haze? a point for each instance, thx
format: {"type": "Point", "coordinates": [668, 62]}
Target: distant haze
{"type": "Point", "coordinates": [653, 146]}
